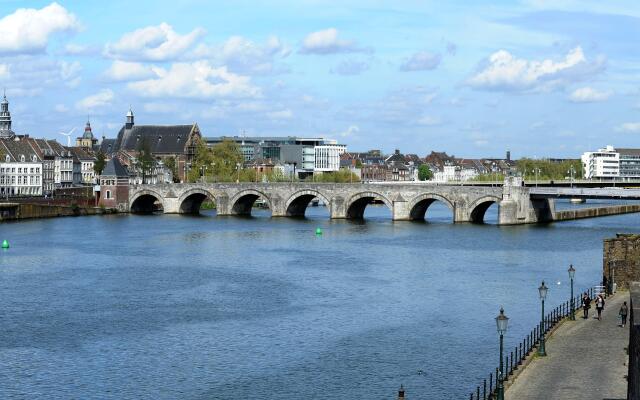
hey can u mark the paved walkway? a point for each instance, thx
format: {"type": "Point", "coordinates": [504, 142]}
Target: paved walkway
{"type": "Point", "coordinates": [586, 359]}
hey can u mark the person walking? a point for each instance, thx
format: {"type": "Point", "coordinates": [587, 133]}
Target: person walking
{"type": "Point", "coordinates": [599, 306]}
{"type": "Point", "coordinates": [586, 305]}
{"type": "Point", "coordinates": [624, 310]}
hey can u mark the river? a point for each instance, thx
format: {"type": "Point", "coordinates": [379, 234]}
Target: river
{"type": "Point", "coordinates": [205, 307]}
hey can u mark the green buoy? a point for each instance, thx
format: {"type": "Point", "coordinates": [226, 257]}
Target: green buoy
{"type": "Point", "coordinates": [5, 244]}
{"type": "Point", "coordinates": [318, 231]}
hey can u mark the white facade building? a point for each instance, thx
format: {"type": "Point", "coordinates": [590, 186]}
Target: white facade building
{"type": "Point", "coordinates": [327, 157]}
{"type": "Point", "coordinates": [604, 163]}
{"type": "Point", "coordinates": [20, 168]}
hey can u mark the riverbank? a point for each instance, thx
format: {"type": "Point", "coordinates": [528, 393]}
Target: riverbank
{"type": "Point", "coordinates": [21, 211]}
{"type": "Point", "coordinates": [586, 359]}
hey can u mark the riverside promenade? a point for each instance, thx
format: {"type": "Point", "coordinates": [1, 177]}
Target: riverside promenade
{"type": "Point", "coordinates": [586, 359]}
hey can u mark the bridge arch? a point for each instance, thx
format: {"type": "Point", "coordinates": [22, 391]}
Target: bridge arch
{"type": "Point", "coordinates": [297, 203]}
{"type": "Point", "coordinates": [242, 202]}
{"type": "Point", "coordinates": [191, 200]}
{"type": "Point", "coordinates": [144, 202]}
{"type": "Point", "coordinates": [480, 206]}
{"type": "Point", "coordinates": [418, 205]}
{"type": "Point", "coordinates": [357, 203]}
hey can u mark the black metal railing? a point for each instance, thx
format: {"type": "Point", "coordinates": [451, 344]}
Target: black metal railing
{"type": "Point", "coordinates": [514, 359]}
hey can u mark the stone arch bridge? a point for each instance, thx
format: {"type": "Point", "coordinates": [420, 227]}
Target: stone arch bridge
{"type": "Point", "coordinates": [408, 201]}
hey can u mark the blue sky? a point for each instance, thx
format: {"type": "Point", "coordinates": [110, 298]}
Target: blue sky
{"type": "Point", "coordinates": [474, 78]}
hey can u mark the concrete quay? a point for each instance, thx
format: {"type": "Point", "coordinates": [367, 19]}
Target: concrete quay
{"type": "Point", "coordinates": [586, 359]}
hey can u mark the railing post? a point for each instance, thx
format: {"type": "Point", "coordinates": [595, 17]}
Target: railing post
{"type": "Point", "coordinates": [478, 392]}
{"type": "Point", "coordinates": [491, 384]}
{"type": "Point", "coordinates": [484, 390]}
{"type": "Point", "coordinates": [520, 359]}
{"type": "Point", "coordinates": [511, 362]}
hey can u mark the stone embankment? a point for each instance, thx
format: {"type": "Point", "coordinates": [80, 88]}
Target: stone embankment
{"type": "Point", "coordinates": [18, 211]}
{"type": "Point", "coordinates": [591, 212]}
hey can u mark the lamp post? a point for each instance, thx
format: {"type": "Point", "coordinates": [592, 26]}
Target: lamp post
{"type": "Point", "coordinates": [571, 172]}
{"type": "Point", "coordinates": [501, 323]}
{"type": "Point", "coordinates": [543, 295]}
{"type": "Point", "coordinates": [609, 288]}
{"type": "Point", "coordinates": [238, 168]}
{"type": "Point", "coordinates": [536, 171]}
{"type": "Point", "coordinates": [572, 274]}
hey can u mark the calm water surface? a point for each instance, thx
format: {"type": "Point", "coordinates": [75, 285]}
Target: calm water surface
{"type": "Point", "coordinates": [179, 307]}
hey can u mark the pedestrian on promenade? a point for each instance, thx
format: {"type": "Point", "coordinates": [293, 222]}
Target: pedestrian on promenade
{"type": "Point", "coordinates": [599, 306]}
{"type": "Point", "coordinates": [624, 310]}
{"type": "Point", "coordinates": [586, 305]}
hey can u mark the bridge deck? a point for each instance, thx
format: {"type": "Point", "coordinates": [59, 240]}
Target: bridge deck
{"type": "Point", "coordinates": [585, 193]}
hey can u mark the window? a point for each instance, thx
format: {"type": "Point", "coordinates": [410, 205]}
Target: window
{"type": "Point", "coordinates": [108, 194]}
{"type": "Point", "coordinates": [19, 170]}
{"type": "Point", "coordinates": [22, 158]}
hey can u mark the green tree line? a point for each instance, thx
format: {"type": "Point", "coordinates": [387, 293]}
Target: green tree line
{"type": "Point", "coordinates": [547, 170]}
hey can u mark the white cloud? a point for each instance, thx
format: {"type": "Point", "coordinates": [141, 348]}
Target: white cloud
{"type": "Point", "coordinates": [28, 30]}
{"type": "Point", "coordinates": [70, 73]}
{"type": "Point", "coordinates": [242, 55]}
{"type": "Point", "coordinates": [503, 71]}
{"type": "Point", "coordinates": [421, 61]}
{"type": "Point", "coordinates": [327, 42]}
{"type": "Point", "coordinates": [153, 43]}
{"type": "Point", "coordinates": [350, 67]}
{"type": "Point", "coordinates": [351, 131]}
{"type": "Point", "coordinates": [632, 127]}
{"type": "Point", "coordinates": [101, 99]}
{"type": "Point", "coordinates": [429, 120]}
{"type": "Point", "coordinates": [74, 49]}
{"type": "Point", "coordinates": [4, 71]}
{"type": "Point", "coordinates": [589, 95]}
{"type": "Point", "coordinates": [160, 107]}
{"type": "Point", "coordinates": [198, 80]}
{"type": "Point", "coordinates": [61, 108]}
{"type": "Point", "coordinates": [128, 71]}
{"type": "Point", "coordinates": [280, 115]}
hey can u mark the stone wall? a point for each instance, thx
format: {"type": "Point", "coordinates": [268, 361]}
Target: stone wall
{"type": "Point", "coordinates": [621, 260]}
{"type": "Point", "coordinates": [633, 377]}
{"type": "Point", "coordinates": [28, 211]}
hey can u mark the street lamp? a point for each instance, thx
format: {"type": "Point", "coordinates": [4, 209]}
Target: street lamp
{"type": "Point", "coordinates": [612, 266]}
{"type": "Point", "coordinates": [543, 295]}
{"type": "Point", "coordinates": [571, 172]}
{"type": "Point", "coordinates": [238, 168]}
{"type": "Point", "coordinates": [536, 171]}
{"type": "Point", "coordinates": [572, 274]}
{"type": "Point", "coordinates": [501, 323]}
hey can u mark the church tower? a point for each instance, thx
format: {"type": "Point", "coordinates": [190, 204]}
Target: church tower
{"type": "Point", "coordinates": [129, 123]}
{"type": "Point", "coordinates": [87, 140]}
{"type": "Point", "coordinates": [5, 118]}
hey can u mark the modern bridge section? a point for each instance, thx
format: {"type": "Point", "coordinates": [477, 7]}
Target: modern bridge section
{"type": "Point", "coordinates": [613, 193]}
{"type": "Point", "coordinates": [406, 201]}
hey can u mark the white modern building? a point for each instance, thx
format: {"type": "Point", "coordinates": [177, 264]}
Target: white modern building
{"type": "Point", "coordinates": [327, 156]}
{"type": "Point", "coordinates": [604, 163]}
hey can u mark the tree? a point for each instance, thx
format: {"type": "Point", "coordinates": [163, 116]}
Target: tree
{"type": "Point", "coordinates": [99, 164]}
{"type": "Point", "coordinates": [424, 172]}
{"type": "Point", "coordinates": [341, 176]}
{"type": "Point", "coordinates": [548, 170]}
{"type": "Point", "coordinates": [219, 163]}
{"type": "Point", "coordinates": [170, 163]}
{"type": "Point", "coordinates": [146, 161]}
